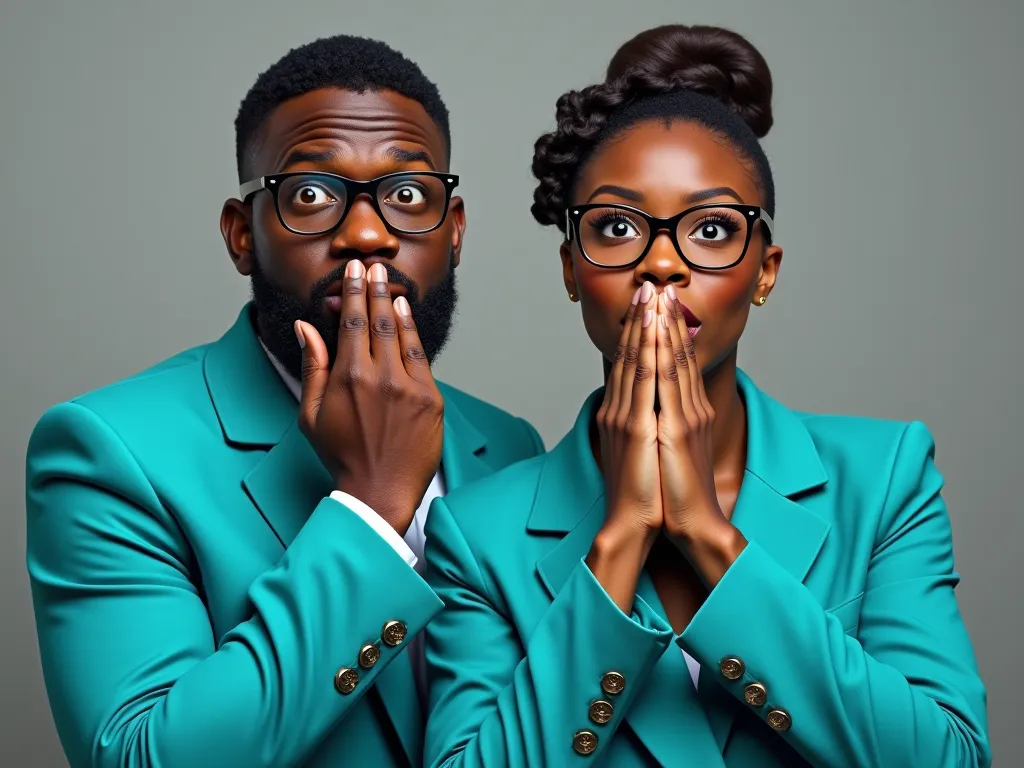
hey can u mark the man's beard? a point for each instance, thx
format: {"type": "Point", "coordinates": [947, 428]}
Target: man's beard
{"type": "Point", "coordinates": [277, 311]}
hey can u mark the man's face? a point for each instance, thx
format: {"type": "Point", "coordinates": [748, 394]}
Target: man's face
{"type": "Point", "coordinates": [359, 136]}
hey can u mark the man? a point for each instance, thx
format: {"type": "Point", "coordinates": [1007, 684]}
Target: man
{"type": "Point", "coordinates": [224, 575]}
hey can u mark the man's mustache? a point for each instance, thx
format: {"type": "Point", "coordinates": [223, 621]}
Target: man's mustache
{"type": "Point", "coordinates": [396, 276]}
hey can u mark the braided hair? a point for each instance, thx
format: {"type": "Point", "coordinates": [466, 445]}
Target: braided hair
{"type": "Point", "coordinates": [706, 75]}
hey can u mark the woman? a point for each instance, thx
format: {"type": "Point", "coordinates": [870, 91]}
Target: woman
{"type": "Point", "coordinates": [695, 575]}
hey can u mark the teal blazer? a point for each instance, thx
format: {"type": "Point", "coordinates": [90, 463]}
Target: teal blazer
{"type": "Point", "coordinates": [841, 606]}
{"type": "Point", "coordinates": [195, 591]}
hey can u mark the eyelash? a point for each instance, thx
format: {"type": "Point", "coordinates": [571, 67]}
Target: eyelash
{"type": "Point", "coordinates": [608, 218]}
{"type": "Point", "coordinates": [727, 222]}
{"type": "Point", "coordinates": [717, 218]}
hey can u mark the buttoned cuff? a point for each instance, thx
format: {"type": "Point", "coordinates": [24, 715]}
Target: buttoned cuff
{"type": "Point", "coordinates": [379, 525]}
{"type": "Point", "coordinates": [711, 633]}
{"type": "Point", "coordinates": [604, 657]}
{"type": "Point", "coordinates": [755, 591]}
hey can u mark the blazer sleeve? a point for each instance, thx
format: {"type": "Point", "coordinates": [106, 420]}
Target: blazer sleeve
{"type": "Point", "coordinates": [135, 676]}
{"type": "Point", "coordinates": [906, 690]}
{"type": "Point", "coordinates": [495, 703]}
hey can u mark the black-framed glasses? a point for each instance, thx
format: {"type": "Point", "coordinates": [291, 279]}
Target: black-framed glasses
{"type": "Point", "coordinates": [616, 236]}
{"type": "Point", "coordinates": [314, 202]}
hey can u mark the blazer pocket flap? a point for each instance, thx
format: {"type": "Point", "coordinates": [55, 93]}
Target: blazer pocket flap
{"type": "Point", "coordinates": [848, 613]}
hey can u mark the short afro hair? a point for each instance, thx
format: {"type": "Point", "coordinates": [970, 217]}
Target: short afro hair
{"type": "Point", "coordinates": [342, 61]}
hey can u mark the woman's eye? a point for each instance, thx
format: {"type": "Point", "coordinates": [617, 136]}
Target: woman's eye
{"type": "Point", "coordinates": [711, 230]}
{"type": "Point", "coordinates": [619, 229]}
{"type": "Point", "coordinates": [407, 195]}
{"type": "Point", "coordinates": [312, 196]}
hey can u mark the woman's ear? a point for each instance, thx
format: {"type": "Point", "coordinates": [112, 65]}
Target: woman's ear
{"type": "Point", "coordinates": [568, 275]}
{"type": "Point", "coordinates": [768, 273]}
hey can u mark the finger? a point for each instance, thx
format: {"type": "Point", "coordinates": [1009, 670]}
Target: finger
{"type": "Point", "coordinates": [629, 361]}
{"type": "Point", "coordinates": [614, 383]}
{"type": "Point", "coordinates": [315, 372]}
{"type": "Point", "coordinates": [701, 397]}
{"type": "Point", "coordinates": [668, 376]}
{"type": "Point", "coordinates": [384, 346]}
{"type": "Point", "coordinates": [691, 356]}
{"type": "Point", "coordinates": [353, 341]}
{"type": "Point", "coordinates": [410, 347]}
{"type": "Point", "coordinates": [679, 336]}
{"type": "Point", "coordinates": [644, 375]}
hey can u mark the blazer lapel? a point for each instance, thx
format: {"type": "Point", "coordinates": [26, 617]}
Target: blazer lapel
{"type": "Point", "coordinates": [288, 484]}
{"type": "Point", "coordinates": [253, 405]}
{"type": "Point", "coordinates": [782, 468]}
{"type": "Point", "coordinates": [569, 501]}
{"type": "Point", "coordinates": [256, 410]}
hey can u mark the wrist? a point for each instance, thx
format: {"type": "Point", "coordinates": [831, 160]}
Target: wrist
{"type": "Point", "coordinates": [396, 513]}
{"type": "Point", "coordinates": [616, 558]}
{"type": "Point", "coordinates": [623, 534]}
{"type": "Point", "coordinates": [620, 543]}
{"type": "Point", "coordinates": [711, 548]}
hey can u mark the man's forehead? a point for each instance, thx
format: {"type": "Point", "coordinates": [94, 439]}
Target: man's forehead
{"type": "Point", "coordinates": [372, 118]}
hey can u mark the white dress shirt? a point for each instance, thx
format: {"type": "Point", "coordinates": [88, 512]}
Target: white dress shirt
{"type": "Point", "coordinates": [411, 546]}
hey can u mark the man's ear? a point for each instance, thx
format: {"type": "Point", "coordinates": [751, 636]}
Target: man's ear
{"type": "Point", "coordinates": [236, 229]}
{"type": "Point", "coordinates": [457, 210]}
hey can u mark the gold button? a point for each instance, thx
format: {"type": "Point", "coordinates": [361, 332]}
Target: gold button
{"type": "Point", "coordinates": [394, 633]}
{"type": "Point", "coordinates": [755, 694]}
{"type": "Point", "coordinates": [779, 719]}
{"type": "Point", "coordinates": [601, 711]}
{"type": "Point", "coordinates": [584, 742]}
{"type": "Point", "coordinates": [732, 668]}
{"type": "Point", "coordinates": [368, 655]}
{"type": "Point", "coordinates": [346, 680]}
{"type": "Point", "coordinates": [613, 683]}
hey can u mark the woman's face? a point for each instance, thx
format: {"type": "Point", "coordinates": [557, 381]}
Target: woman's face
{"type": "Point", "coordinates": [664, 171]}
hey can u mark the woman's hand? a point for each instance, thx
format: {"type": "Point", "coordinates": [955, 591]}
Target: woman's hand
{"type": "Point", "coordinates": [693, 518]}
{"type": "Point", "coordinates": [628, 431]}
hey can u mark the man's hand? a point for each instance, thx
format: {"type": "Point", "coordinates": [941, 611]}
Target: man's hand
{"type": "Point", "coordinates": [376, 419]}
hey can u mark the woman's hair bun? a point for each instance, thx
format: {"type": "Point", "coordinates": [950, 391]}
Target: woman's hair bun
{"type": "Point", "coordinates": [710, 60]}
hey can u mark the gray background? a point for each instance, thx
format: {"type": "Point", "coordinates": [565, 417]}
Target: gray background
{"type": "Point", "coordinates": [898, 165]}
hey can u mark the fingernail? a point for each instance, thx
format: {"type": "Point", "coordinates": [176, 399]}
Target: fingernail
{"type": "Point", "coordinates": [636, 298]}
{"type": "Point", "coordinates": [378, 274]}
{"type": "Point", "coordinates": [299, 335]}
{"type": "Point", "coordinates": [354, 269]}
{"type": "Point", "coordinates": [402, 306]}
{"type": "Point", "coordinates": [645, 292]}
{"type": "Point", "coordinates": [648, 316]}
{"type": "Point", "coordinates": [663, 321]}
{"type": "Point", "coordinates": [662, 303]}
{"type": "Point", "coordinates": [671, 291]}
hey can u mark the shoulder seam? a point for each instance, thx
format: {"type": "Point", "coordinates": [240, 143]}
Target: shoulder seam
{"type": "Point", "coordinates": [888, 486]}
{"type": "Point", "coordinates": [131, 454]}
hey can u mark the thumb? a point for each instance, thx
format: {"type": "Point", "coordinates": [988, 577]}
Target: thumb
{"type": "Point", "coordinates": [315, 371]}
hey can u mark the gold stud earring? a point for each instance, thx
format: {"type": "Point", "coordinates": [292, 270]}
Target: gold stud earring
{"type": "Point", "coordinates": [762, 300]}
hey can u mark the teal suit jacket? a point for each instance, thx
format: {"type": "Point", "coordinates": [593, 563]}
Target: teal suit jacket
{"type": "Point", "coordinates": [841, 606]}
{"type": "Point", "coordinates": [195, 591]}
